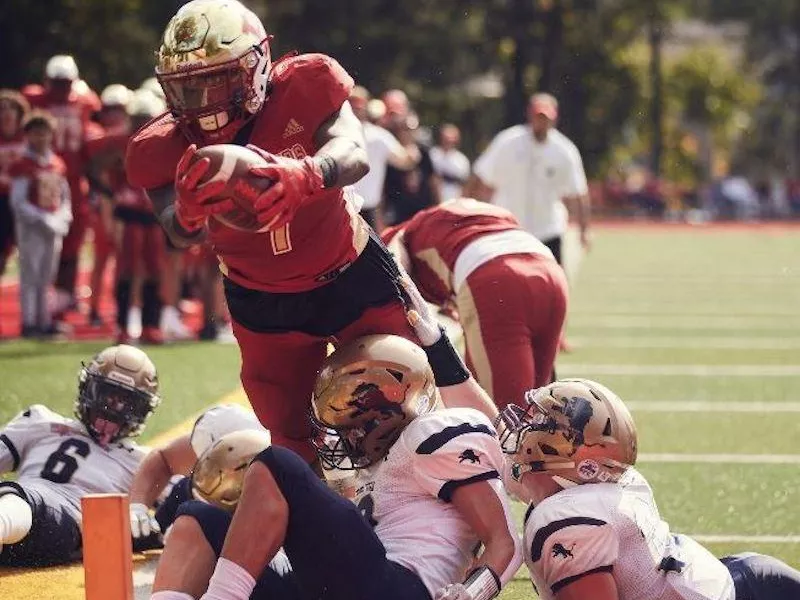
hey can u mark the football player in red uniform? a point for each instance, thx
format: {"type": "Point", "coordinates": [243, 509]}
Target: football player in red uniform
{"type": "Point", "coordinates": [13, 109]}
{"type": "Point", "coordinates": [320, 274]}
{"type": "Point", "coordinates": [72, 103]}
{"type": "Point", "coordinates": [105, 147]}
{"type": "Point", "coordinates": [510, 293]}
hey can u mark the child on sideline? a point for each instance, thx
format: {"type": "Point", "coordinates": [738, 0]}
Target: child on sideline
{"type": "Point", "coordinates": [40, 200]}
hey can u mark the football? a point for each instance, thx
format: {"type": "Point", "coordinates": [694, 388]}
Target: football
{"type": "Point", "coordinates": [231, 163]}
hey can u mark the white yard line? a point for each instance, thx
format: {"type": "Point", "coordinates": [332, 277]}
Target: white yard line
{"type": "Point", "coordinates": [589, 369]}
{"type": "Point", "coordinates": [712, 343]}
{"type": "Point", "coordinates": [748, 459]}
{"type": "Point", "coordinates": [744, 539]}
{"type": "Point", "coordinates": [671, 322]}
{"type": "Point", "coordinates": [677, 406]}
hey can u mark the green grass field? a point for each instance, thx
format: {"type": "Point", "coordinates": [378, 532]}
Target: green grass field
{"type": "Point", "coordinates": [699, 330]}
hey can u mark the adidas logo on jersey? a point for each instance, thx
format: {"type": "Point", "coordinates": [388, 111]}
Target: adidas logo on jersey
{"type": "Point", "coordinates": [292, 128]}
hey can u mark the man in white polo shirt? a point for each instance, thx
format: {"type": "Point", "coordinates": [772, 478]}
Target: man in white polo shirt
{"type": "Point", "coordinates": [382, 149]}
{"type": "Point", "coordinates": [532, 170]}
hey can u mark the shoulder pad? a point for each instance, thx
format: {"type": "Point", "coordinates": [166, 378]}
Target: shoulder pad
{"type": "Point", "coordinates": [153, 153]}
{"type": "Point", "coordinates": [429, 432]}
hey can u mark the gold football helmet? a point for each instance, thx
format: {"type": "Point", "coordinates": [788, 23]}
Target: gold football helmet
{"type": "Point", "coordinates": [367, 392]}
{"type": "Point", "coordinates": [214, 66]}
{"type": "Point", "coordinates": [117, 392]}
{"type": "Point", "coordinates": [576, 429]}
{"type": "Point", "coordinates": [218, 474]}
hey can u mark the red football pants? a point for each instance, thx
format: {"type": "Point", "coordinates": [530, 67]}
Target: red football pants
{"type": "Point", "coordinates": [279, 371]}
{"type": "Point", "coordinates": [512, 310]}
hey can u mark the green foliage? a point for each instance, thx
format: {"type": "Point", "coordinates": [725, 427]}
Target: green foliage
{"type": "Point", "coordinates": [578, 49]}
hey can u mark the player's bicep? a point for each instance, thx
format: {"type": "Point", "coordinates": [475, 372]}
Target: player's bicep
{"type": "Point", "coordinates": [341, 124]}
{"type": "Point", "coordinates": [178, 456]}
{"type": "Point", "coordinates": [599, 585]}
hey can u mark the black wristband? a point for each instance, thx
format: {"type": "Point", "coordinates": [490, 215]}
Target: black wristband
{"type": "Point", "coordinates": [448, 368]}
{"type": "Point", "coordinates": [330, 170]}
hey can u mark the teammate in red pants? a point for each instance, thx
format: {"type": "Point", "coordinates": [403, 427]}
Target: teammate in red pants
{"type": "Point", "coordinates": [510, 293]}
{"type": "Point", "coordinates": [321, 274]}
{"type": "Point", "coordinates": [72, 103]}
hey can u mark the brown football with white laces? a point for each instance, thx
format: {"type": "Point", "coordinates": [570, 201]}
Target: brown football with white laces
{"type": "Point", "coordinates": [232, 163]}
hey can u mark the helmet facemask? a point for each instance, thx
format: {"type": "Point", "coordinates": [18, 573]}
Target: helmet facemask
{"type": "Point", "coordinates": [110, 409]}
{"type": "Point", "coordinates": [578, 431]}
{"type": "Point", "coordinates": [214, 101]}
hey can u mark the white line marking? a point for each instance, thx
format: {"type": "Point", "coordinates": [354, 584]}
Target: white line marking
{"type": "Point", "coordinates": [737, 539]}
{"type": "Point", "coordinates": [677, 406]}
{"type": "Point", "coordinates": [714, 343]}
{"type": "Point", "coordinates": [749, 459]}
{"type": "Point", "coordinates": [587, 369]}
{"type": "Point", "coordinates": [670, 322]}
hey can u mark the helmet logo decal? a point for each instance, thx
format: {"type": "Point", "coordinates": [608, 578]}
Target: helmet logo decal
{"type": "Point", "coordinates": [185, 34]}
{"type": "Point", "coordinates": [369, 397]}
{"type": "Point", "coordinates": [579, 411]}
{"type": "Point", "coordinates": [588, 469]}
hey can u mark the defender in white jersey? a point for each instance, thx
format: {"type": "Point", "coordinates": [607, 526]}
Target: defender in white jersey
{"type": "Point", "coordinates": [58, 460]}
{"type": "Point", "coordinates": [173, 462]}
{"type": "Point", "coordinates": [436, 493]}
{"type": "Point", "coordinates": [607, 541]}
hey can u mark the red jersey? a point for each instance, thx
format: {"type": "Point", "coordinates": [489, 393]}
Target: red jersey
{"type": "Point", "coordinates": [435, 237]}
{"type": "Point", "coordinates": [326, 233]}
{"type": "Point", "coordinates": [47, 180]}
{"type": "Point", "coordinates": [73, 119]}
{"type": "Point", "coordinates": [10, 152]}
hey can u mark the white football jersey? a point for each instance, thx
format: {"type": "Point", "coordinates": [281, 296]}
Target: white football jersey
{"type": "Point", "coordinates": [409, 500]}
{"type": "Point", "coordinates": [617, 528]}
{"type": "Point", "coordinates": [56, 455]}
{"type": "Point", "coordinates": [221, 420]}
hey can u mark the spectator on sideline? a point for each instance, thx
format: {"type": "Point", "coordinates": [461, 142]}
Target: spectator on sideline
{"type": "Point", "coordinates": [41, 202]}
{"type": "Point", "coordinates": [450, 164]}
{"type": "Point", "coordinates": [382, 149]}
{"type": "Point", "coordinates": [67, 97]}
{"type": "Point", "coordinates": [407, 192]}
{"type": "Point", "coordinates": [532, 170]}
{"type": "Point", "coordinates": [13, 110]}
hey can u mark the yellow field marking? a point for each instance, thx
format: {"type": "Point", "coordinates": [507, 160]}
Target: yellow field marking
{"type": "Point", "coordinates": [236, 397]}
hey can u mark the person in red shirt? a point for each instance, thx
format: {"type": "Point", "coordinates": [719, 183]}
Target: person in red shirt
{"type": "Point", "coordinates": [13, 110]}
{"type": "Point", "coordinates": [105, 146]}
{"type": "Point", "coordinates": [41, 204]}
{"type": "Point", "coordinates": [320, 274]}
{"type": "Point", "coordinates": [72, 103]}
{"type": "Point", "coordinates": [508, 290]}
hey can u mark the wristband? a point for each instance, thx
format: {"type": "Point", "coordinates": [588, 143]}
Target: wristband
{"type": "Point", "coordinates": [330, 171]}
{"type": "Point", "coordinates": [448, 368]}
{"type": "Point", "coordinates": [482, 584]}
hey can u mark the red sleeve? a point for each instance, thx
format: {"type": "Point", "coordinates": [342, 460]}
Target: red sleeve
{"type": "Point", "coordinates": [153, 154]}
{"type": "Point", "coordinates": [18, 168]}
{"type": "Point", "coordinates": [388, 234]}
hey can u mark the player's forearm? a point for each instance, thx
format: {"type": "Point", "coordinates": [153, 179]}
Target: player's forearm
{"type": "Point", "coordinates": [163, 200]}
{"type": "Point", "coordinates": [468, 394]}
{"type": "Point", "coordinates": [343, 162]}
{"type": "Point", "coordinates": [151, 478]}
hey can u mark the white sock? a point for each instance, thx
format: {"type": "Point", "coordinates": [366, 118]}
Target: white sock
{"type": "Point", "coordinates": [170, 595]}
{"type": "Point", "coordinates": [16, 519]}
{"type": "Point", "coordinates": [229, 582]}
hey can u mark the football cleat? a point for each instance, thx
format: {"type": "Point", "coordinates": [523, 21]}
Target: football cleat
{"type": "Point", "coordinates": [218, 474]}
{"type": "Point", "coordinates": [577, 430]}
{"type": "Point", "coordinates": [367, 392]}
{"type": "Point", "coordinates": [214, 66]}
{"type": "Point", "coordinates": [117, 392]}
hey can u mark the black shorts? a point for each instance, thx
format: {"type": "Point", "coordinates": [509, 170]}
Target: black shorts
{"type": "Point", "coordinates": [277, 581]}
{"type": "Point", "coordinates": [554, 245]}
{"type": "Point", "coordinates": [55, 535]}
{"type": "Point", "coordinates": [167, 511]}
{"type": "Point", "coordinates": [333, 550]}
{"type": "Point", "coordinates": [370, 281]}
{"type": "Point", "coordinates": [762, 577]}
